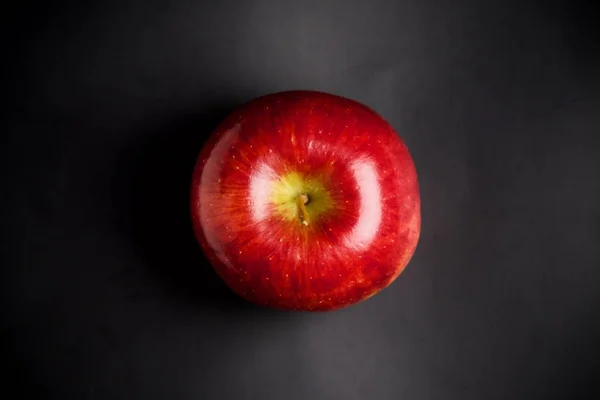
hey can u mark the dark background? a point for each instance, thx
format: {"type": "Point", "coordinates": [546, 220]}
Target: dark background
{"type": "Point", "coordinates": [105, 294]}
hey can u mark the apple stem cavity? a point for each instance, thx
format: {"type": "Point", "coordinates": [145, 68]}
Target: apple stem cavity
{"type": "Point", "coordinates": [301, 201]}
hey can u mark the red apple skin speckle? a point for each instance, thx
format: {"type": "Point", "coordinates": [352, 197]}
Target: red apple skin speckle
{"type": "Point", "coordinates": [347, 253]}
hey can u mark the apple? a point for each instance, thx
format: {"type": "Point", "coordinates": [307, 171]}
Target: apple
{"type": "Point", "coordinates": [304, 200]}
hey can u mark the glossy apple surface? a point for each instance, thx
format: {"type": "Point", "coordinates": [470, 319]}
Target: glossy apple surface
{"type": "Point", "coordinates": [306, 201]}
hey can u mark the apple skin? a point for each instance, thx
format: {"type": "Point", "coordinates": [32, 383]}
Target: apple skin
{"type": "Point", "coordinates": [363, 216]}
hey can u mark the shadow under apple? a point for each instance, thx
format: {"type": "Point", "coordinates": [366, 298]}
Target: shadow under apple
{"type": "Point", "coordinates": [158, 212]}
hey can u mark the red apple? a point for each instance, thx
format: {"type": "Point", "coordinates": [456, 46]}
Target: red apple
{"type": "Point", "coordinates": [304, 200]}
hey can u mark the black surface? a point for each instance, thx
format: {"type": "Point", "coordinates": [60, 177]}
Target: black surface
{"type": "Point", "coordinates": [104, 295]}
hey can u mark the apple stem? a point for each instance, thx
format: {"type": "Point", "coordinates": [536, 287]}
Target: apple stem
{"type": "Point", "coordinates": [301, 202]}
